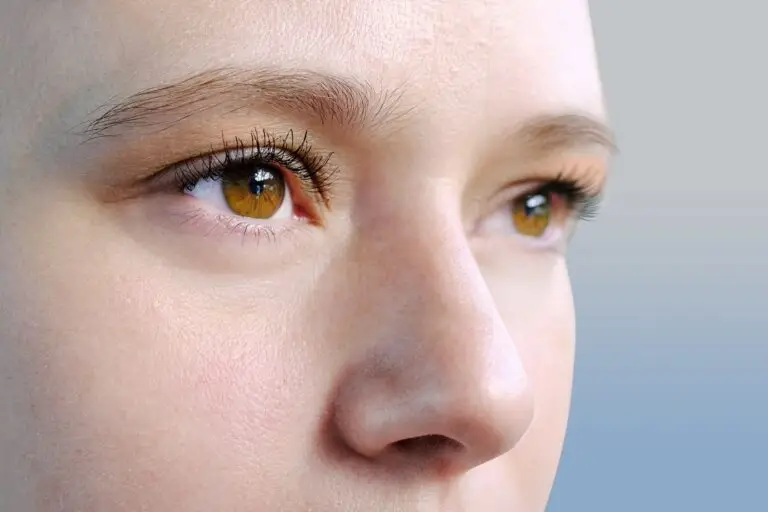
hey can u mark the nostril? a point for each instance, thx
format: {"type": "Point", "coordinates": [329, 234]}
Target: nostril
{"type": "Point", "coordinates": [428, 446]}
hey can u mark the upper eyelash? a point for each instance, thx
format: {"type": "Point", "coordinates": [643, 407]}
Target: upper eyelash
{"type": "Point", "coordinates": [317, 175]}
{"type": "Point", "coordinates": [580, 198]}
{"type": "Point", "coordinates": [311, 168]}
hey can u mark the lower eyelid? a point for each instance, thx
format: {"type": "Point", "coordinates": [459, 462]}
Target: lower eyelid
{"type": "Point", "coordinates": [190, 218]}
{"type": "Point", "coordinates": [181, 230]}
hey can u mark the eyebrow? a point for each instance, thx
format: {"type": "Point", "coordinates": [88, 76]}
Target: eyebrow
{"type": "Point", "coordinates": [552, 133]}
{"type": "Point", "coordinates": [342, 100]}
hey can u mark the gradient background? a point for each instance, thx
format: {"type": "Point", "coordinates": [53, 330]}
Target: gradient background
{"type": "Point", "coordinates": [670, 409]}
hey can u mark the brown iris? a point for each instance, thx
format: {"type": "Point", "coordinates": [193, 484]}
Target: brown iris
{"type": "Point", "coordinates": [257, 194]}
{"type": "Point", "coordinates": [531, 214]}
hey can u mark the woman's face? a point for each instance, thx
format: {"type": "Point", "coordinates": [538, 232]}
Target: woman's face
{"type": "Point", "coordinates": [290, 256]}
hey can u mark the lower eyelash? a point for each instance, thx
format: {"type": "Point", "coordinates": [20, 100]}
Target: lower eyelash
{"type": "Point", "coordinates": [220, 224]}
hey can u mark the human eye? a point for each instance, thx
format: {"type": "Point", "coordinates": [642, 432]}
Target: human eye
{"type": "Point", "coordinates": [543, 213]}
{"type": "Point", "coordinates": [263, 187]}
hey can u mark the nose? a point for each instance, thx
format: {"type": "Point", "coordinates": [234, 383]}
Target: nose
{"type": "Point", "coordinates": [439, 384]}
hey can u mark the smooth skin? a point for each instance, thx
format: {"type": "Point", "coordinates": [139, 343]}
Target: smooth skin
{"type": "Point", "coordinates": [408, 351]}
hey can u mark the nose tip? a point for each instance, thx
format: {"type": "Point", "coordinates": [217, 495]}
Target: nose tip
{"type": "Point", "coordinates": [446, 425]}
{"type": "Point", "coordinates": [489, 421]}
{"type": "Point", "coordinates": [437, 381]}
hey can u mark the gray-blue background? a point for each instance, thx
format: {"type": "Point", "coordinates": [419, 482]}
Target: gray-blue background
{"type": "Point", "coordinates": [670, 409]}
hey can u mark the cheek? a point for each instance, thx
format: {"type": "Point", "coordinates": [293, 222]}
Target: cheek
{"type": "Point", "coordinates": [533, 295]}
{"type": "Point", "coordinates": [166, 392]}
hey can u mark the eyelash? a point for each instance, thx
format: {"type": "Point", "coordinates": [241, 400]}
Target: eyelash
{"type": "Point", "coordinates": [316, 175]}
{"type": "Point", "coordinates": [312, 170]}
{"type": "Point", "coordinates": [582, 202]}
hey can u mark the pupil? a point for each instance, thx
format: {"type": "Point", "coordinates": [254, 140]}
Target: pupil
{"type": "Point", "coordinates": [261, 181]}
{"type": "Point", "coordinates": [256, 187]}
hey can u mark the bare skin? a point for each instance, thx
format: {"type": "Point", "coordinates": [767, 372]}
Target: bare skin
{"type": "Point", "coordinates": [400, 340]}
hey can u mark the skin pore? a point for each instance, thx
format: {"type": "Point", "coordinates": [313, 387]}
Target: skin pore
{"type": "Point", "coordinates": [398, 336]}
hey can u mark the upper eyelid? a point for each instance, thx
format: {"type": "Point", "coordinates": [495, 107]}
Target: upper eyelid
{"type": "Point", "coordinates": [236, 149]}
{"type": "Point", "coordinates": [557, 130]}
{"type": "Point", "coordinates": [512, 192]}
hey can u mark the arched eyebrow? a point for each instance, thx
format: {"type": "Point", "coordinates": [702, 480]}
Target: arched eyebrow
{"type": "Point", "coordinates": [548, 134]}
{"type": "Point", "coordinates": [326, 98]}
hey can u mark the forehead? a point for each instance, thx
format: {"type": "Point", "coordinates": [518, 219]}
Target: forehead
{"type": "Point", "coordinates": [479, 61]}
